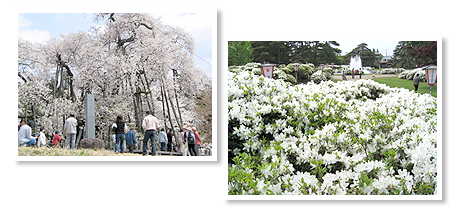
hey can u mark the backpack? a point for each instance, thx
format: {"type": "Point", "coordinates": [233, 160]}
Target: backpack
{"type": "Point", "coordinates": [190, 138]}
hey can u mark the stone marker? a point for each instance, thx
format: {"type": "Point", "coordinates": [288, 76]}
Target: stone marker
{"type": "Point", "coordinates": [91, 143]}
{"type": "Point", "coordinates": [90, 117]}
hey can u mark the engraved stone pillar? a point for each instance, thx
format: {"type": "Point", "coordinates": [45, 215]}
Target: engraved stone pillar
{"type": "Point", "coordinates": [90, 117]}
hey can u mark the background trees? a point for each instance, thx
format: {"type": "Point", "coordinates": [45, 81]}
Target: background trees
{"type": "Point", "coordinates": [132, 64]}
{"type": "Point", "coordinates": [412, 54]}
{"type": "Point", "coordinates": [284, 52]}
{"type": "Point", "coordinates": [239, 53]}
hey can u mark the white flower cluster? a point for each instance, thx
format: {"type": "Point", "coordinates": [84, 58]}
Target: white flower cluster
{"type": "Point", "coordinates": [330, 138]}
{"type": "Point", "coordinates": [410, 74]}
{"type": "Point", "coordinates": [320, 76]}
{"type": "Point", "coordinates": [392, 70]}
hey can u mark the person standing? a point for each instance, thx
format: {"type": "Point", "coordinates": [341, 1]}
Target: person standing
{"type": "Point", "coordinates": [197, 145]}
{"type": "Point", "coordinates": [169, 141]}
{"type": "Point", "coordinates": [56, 139]}
{"type": "Point", "coordinates": [162, 138]}
{"type": "Point", "coordinates": [344, 75]}
{"type": "Point", "coordinates": [360, 73]}
{"type": "Point", "coordinates": [184, 146]}
{"type": "Point", "coordinates": [41, 142]}
{"type": "Point", "coordinates": [352, 73]}
{"type": "Point", "coordinates": [70, 132]}
{"type": "Point", "coordinates": [190, 140]}
{"type": "Point", "coordinates": [150, 124]}
{"type": "Point", "coordinates": [130, 140]}
{"type": "Point", "coordinates": [119, 131]}
{"type": "Point", "coordinates": [25, 134]}
{"type": "Point", "coordinates": [416, 83]}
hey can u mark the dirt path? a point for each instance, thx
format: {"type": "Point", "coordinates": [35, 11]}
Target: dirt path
{"type": "Point", "coordinates": [365, 76]}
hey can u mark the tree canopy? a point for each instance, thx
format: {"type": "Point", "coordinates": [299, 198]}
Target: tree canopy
{"type": "Point", "coordinates": [285, 52]}
{"type": "Point", "coordinates": [411, 54]}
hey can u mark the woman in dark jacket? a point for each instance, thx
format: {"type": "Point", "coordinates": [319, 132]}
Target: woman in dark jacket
{"type": "Point", "coordinates": [120, 127]}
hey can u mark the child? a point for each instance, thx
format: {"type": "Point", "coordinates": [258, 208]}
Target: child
{"type": "Point", "coordinates": [41, 142]}
{"type": "Point", "coordinates": [130, 140]}
{"type": "Point", "coordinates": [162, 139]}
{"type": "Point", "coordinates": [56, 139]}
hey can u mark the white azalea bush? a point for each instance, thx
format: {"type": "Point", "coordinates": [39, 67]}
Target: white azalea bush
{"type": "Point", "coordinates": [283, 72]}
{"type": "Point", "coordinates": [321, 75]}
{"type": "Point", "coordinates": [330, 138]}
{"type": "Point", "coordinates": [392, 70]}
{"type": "Point", "coordinates": [410, 74]}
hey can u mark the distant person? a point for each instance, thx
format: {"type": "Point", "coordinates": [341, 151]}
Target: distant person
{"type": "Point", "coordinates": [162, 138]}
{"type": "Point", "coordinates": [57, 139]}
{"type": "Point", "coordinates": [119, 131]}
{"type": "Point", "coordinates": [41, 142]}
{"type": "Point", "coordinates": [360, 73]}
{"type": "Point", "coordinates": [352, 73]}
{"type": "Point", "coordinates": [190, 138]}
{"type": "Point", "coordinates": [184, 146]}
{"type": "Point", "coordinates": [344, 75]}
{"type": "Point", "coordinates": [416, 83]}
{"type": "Point", "coordinates": [197, 145]}
{"type": "Point", "coordinates": [130, 140]}
{"type": "Point", "coordinates": [150, 124]}
{"type": "Point", "coordinates": [169, 140]}
{"type": "Point", "coordinates": [113, 137]}
{"type": "Point", "coordinates": [70, 132]}
{"type": "Point", "coordinates": [25, 134]}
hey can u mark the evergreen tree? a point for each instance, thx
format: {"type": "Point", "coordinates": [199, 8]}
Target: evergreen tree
{"type": "Point", "coordinates": [239, 53]}
{"type": "Point", "coordinates": [366, 55]}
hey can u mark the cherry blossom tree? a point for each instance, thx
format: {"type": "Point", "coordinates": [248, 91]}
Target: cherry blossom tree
{"type": "Point", "coordinates": [132, 64]}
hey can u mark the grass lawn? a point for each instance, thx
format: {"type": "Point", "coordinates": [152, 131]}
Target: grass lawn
{"type": "Point", "coordinates": [408, 84]}
{"type": "Point", "coordinates": [45, 151]}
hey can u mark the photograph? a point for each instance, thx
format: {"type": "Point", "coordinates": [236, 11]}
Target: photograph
{"type": "Point", "coordinates": [333, 117]}
{"type": "Point", "coordinates": [116, 84]}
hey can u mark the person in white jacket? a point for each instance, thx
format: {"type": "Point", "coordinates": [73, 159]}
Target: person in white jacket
{"type": "Point", "coordinates": [41, 142]}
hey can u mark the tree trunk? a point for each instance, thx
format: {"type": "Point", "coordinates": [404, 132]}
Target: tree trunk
{"type": "Point", "coordinates": [33, 113]}
{"type": "Point", "coordinates": [180, 124]}
{"type": "Point", "coordinates": [176, 99]}
{"type": "Point", "coordinates": [79, 132]}
{"type": "Point", "coordinates": [164, 110]}
{"type": "Point", "coordinates": [146, 95]}
{"type": "Point", "coordinates": [177, 141]}
{"type": "Point", "coordinates": [152, 108]}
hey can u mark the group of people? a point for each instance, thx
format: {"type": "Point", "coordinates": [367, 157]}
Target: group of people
{"type": "Point", "coordinates": [25, 137]}
{"type": "Point", "coordinates": [353, 73]}
{"type": "Point", "coordinates": [191, 139]}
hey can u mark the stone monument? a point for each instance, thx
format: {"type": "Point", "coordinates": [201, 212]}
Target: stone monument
{"type": "Point", "coordinates": [90, 117]}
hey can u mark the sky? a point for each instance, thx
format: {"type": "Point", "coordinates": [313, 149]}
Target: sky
{"type": "Point", "coordinates": [39, 27]}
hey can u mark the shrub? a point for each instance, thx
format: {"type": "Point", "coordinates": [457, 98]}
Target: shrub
{"type": "Point", "coordinates": [330, 138]}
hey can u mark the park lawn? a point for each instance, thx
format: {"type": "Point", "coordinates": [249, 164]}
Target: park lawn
{"type": "Point", "coordinates": [407, 84]}
{"type": "Point", "coordinates": [46, 151]}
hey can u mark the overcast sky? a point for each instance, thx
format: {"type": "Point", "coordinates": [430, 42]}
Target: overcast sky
{"type": "Point", "coordinates": [39, 27]}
